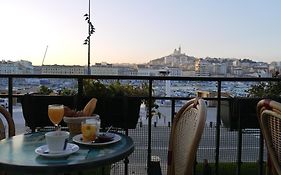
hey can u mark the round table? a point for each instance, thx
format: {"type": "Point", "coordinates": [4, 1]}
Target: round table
{"type": "Point", "coordinates": [18, 155]}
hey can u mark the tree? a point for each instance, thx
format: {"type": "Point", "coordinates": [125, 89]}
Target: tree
{"type": "Point", "coordinates": [266, 89]}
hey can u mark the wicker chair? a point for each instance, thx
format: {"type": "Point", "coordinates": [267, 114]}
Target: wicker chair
{"type": "Point", "coordinates": [269, 114]}
{"type": "Point", "coordinates": [268, 104]}
{"type": "Point", "coordinates": [187, 129]}
{"type": "Point", "coordinates": [11, 127]}
{"type": "Point", "coordinates": [10, 122]}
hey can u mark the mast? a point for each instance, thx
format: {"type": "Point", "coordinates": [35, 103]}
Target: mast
{"type": "Point", "coordinates": [89, 42]}
{"type": "Point", "coordinates": [44, 55]}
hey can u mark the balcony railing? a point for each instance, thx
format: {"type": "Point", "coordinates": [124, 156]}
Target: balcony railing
{"type": "Point", "coordinates": [222, 147]}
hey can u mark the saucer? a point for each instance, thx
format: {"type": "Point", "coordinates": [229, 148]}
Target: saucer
{"type": "Point", "coordinates": [115, 138]}
{"type": "Point", "coordinates": [44, 151]}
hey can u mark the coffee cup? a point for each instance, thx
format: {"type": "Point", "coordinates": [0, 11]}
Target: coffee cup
{"type": "Point", "coordinates": [56, 141]}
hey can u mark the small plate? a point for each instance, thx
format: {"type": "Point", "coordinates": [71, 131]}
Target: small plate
{"type": "Point", "coordinates": [44, 151]}
{"type": "Point", "coordinates": [78, 139]}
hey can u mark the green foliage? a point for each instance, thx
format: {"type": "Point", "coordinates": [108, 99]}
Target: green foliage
{"type": "Point", "coordinates": [44, 90]}
{"type": "Point", "coordinates": [118, 89]}
{"type": "Point", "coordinates": [265, 90]}
{"type": "Point", "coordinates": [66, 92]}
{"type": "Point", "coordinates": [94, 88]}
{"type": "Point", "coordinates": [97, 89]}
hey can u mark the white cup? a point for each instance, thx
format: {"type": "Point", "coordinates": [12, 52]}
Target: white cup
{"type": "Point", "coordinates": [56, 141]}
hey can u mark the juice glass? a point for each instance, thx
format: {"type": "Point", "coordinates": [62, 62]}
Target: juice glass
{"type": "Point", "coordinates": [89, 130]}
{"type": "Point", "coordinates": [55, 113]}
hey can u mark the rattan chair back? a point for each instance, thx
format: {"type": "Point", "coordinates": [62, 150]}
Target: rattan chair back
{"type": "Point", "coordinates": [269, 113]}
{"type": "Point", "coordinates": [187, 129]}
{"type": "Point", "coordinates": [268, 104]}
{"type": "Point", "coordinates": [10, 122]}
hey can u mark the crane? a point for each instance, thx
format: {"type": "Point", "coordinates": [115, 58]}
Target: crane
{"type": "Point", "coordinates": [44, 55]}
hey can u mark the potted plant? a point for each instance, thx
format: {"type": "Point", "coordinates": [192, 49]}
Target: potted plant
{"type": "Point", "coordinates": [117, 104]}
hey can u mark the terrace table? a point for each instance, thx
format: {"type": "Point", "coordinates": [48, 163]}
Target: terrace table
{"type": "Point", "coordinates": [18, 155]}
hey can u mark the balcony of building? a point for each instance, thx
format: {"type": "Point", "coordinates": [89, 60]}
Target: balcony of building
{"type": "Point", "coordinates": [231, 145]}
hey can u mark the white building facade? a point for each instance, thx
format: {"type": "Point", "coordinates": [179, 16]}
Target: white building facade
{"type": "Point", "coordinates": [63, 70]}
{"type": "Point", "coordinates": [9, 67]}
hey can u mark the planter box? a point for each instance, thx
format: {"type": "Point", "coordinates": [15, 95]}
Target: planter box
{"type": "Point", "coordinates": [121, 112]}
{"type": "Point", "coordinates": [35, 109]}
{"type": "Point", "coordinates": [245, 108]}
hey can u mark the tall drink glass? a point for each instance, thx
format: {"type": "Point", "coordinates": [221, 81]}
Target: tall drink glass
{"type": "Point", "coordinates": [89, 130]}
{"type": "Point", "coordinates": [55, 113]}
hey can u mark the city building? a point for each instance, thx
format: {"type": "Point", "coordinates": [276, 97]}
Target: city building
{"type": "Point", "coordinates": [9, 67]}
{"type": "Point", "coordinates": [147, 71]}
{"type": "Point", "coordinates": [103, 69]}
{"type": "Point", "coordinates": [63, 70]}
{"type": "Point", "coordinates": [178, 63]}
{"type": "Point", "coordinates": [218, 69]}
{"type": "Point", "coordinates": [201, 68]}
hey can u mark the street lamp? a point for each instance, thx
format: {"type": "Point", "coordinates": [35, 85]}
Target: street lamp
{"type": "Point", "coordinates": [91, 30]}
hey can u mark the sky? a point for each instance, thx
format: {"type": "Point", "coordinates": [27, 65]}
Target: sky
{"type": "Point", "coordinates": [137, 31]}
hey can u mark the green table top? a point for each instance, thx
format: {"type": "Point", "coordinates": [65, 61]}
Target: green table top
{"type": "Point", "coordinates": [18, 155]}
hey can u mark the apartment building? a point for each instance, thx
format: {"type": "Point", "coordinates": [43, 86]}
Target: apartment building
{"type": "Point", "coordinates": [104, 69]}
{"type": "Point", "coordinates": [8, 67]}
{"type": "Point", "coordinates": [218, 69]}
{"type": "Point", "coordinates": [63, 70]}
{"type": "Point", "coordinates": [201, 68]}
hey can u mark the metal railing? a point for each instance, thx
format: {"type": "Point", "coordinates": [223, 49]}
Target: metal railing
{"type": "Point", "coordinates": [217, 81]}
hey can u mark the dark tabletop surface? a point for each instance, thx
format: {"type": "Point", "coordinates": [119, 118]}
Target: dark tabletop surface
{"type": "Point", "coordinates": [18, 155]}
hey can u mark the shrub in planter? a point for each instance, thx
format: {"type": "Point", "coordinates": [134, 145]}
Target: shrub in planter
{"type": "Point", "coordinates": [121, 112]}
{"type": "Point", "coordinates": [117, 105]}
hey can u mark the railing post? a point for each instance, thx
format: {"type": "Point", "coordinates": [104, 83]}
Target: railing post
{"type": "Point", "coordinates": [173, 110]}
{"type": "Point", "coordinates": [10, 95]}
{"type": "Point", "coordinates": [80, 92]}
{"type": "Point", "coordinates": [218, 129]}
{"type": "Point", "coordinates": [80, 86]}
{"type": "Point", "coordinates": [239, 143]}
{"type": "Point", "coordinates": [149, 126]}
{"type": "Point", "coordinates": [261, 162]}
{"type": "Point", "coordinates": [126, 161]}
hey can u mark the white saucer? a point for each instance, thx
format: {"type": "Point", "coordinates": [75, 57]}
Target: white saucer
{"type": "Point", "coordinates": [78, 139]}
{"type": "Point", "coordinates": [44, 151]}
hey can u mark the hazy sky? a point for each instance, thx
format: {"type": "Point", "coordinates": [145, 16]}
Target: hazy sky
{"type": "Point", "coordinates": [136, 31]}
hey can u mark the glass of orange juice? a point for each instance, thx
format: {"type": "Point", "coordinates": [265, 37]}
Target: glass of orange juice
{"type": "Point", "coordinates": [89, 130]}
{"type": "Point", "coordinates": [55, 113]}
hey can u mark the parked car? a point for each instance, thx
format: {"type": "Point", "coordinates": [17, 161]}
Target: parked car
{"type": "Point", "coordinates": [4, 102]}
